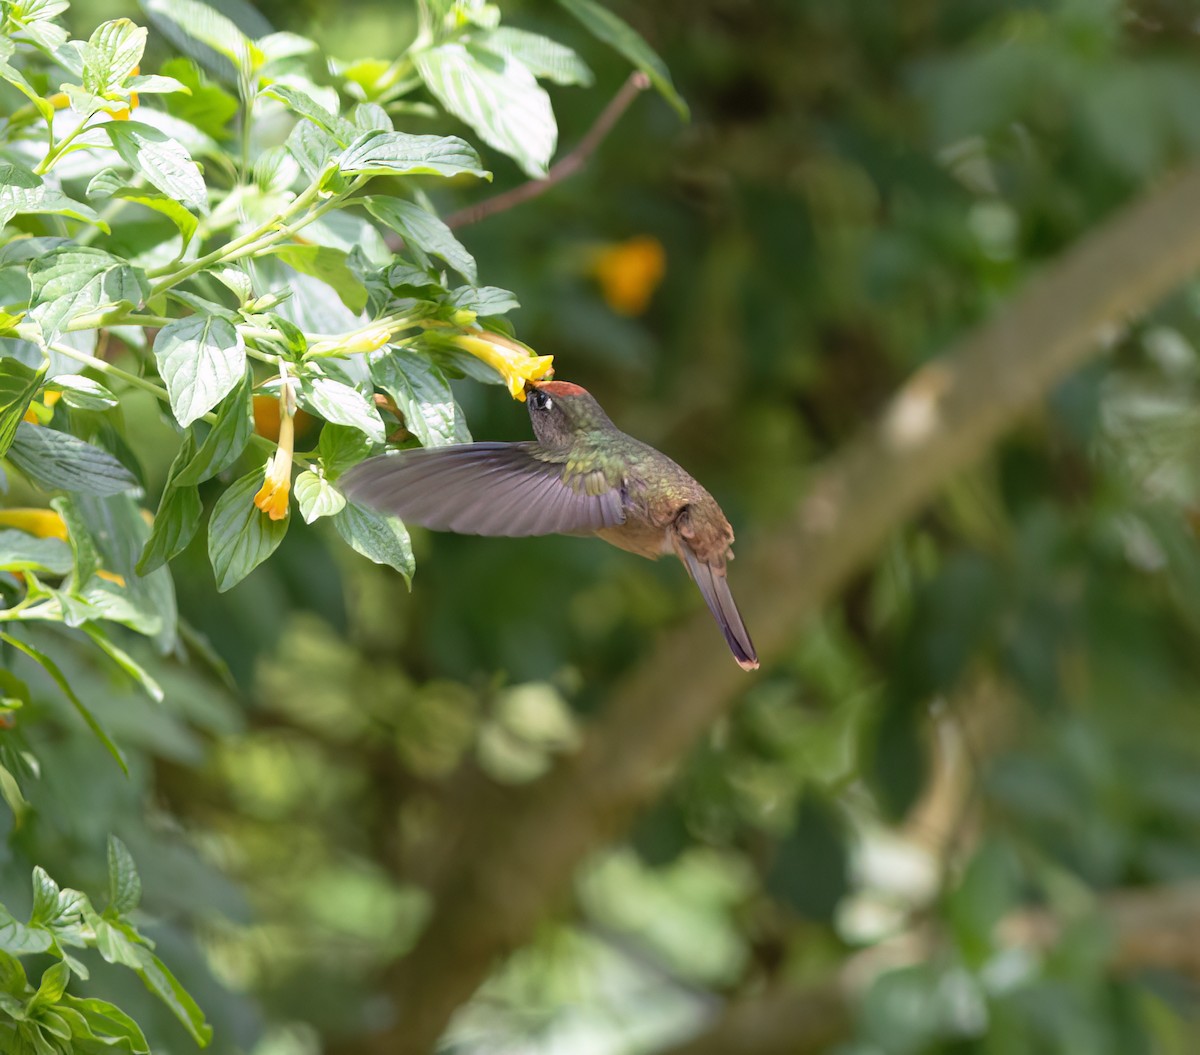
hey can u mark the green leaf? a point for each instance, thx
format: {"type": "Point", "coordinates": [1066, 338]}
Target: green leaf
{"type": "Point", "coordinates": [50, 990]}
{"type": "Point", "coordinates": [305, 106]}
{"type": "Point", "coordinates": [497, 96]}
{"type": "Point", "coordinates": [166, 987]}
{"type": "Point", "coordinates": [201, 359]}
{"type": "Point", "coordinates": [18, 81]}
{"type": "Point", "coordinates": [340, 403]}
{"type": "Point", "coordinates": [22, 552]}
{"type": "Point", "coordinates": [178, 514]}
{"type": "Point", "coordinates": [72, 280]}
{"type": "Point", "coordinates": [484, 300]}
{"type": "Point", "coordinates": [317, 497]}
{"type": "Point", "coordinates": [125, 661]}
{"type": "Point", "coordinates": [209, 107]}
{"type": "Point", "coordinates": [423, 232]}
{"type": "Point", "coordinates": [60, 680]}
{"type": "Point", "coordinates": [124, 884]}
{"type": "Point", "coordinates": [23, 192]}
{"type": "Point", "coordinates": [84, 553]}
{"type": "Point", "coordinates": [168, 207]}
{"type": "Point", "coordinates": [19, 939]}
{"type": "Point", "coordinates": [400, 154]}
{"type": "Point", "coordinates": [110, 55]}
{"type": "Point", "coordinates": [328, 265]}
{"type": "Point", "coordinates": [120, 532]}
{"type": "Point", "coordinates": [422, 394]}
{"type": "Point", "coordinates": [210, 28]}
{"type": "Point", "coordinates": [341, 447]}
{"type": "Point", "coordinates": [240, 536]}
{"type": "Point", "coordinates": [312, 147]}
{"type": "Point", "coordinates": [108, 1020]}
{"type": "Point", "coordinates": [36, 18]}
{"type": "Point", "coordinates": [18, 385]}
{"type": "Point", "coordinates": [57, 460]}
{"type": "Point", "coordinates": [164, 162]}
{"type": "Point", "coordinates": [379, 538]}
{"type": "Point", "coordinates": [226, 440]}
{"type": "Point", "coordinates": [546, 59]}
{"type": "Point", "coordinates": [82, 392]}
{"type": "Point", "coordinates": [154, 84]}
{"type": "Point", "coordinates": [623, 38]}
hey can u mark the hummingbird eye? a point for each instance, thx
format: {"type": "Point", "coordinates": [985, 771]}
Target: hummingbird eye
{"type": "Point", "coordinates": [539, 400]}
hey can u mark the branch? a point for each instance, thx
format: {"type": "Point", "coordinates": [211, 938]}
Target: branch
{"type": "Point", "coordinates": [514, 855]}
{"type": "Point", "coordinates": [1156, 928]}
{"type": "Point", "coordinates": [567, 166]}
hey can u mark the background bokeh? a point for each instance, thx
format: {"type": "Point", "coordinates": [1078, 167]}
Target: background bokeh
{"type": "Point", "coordinates": [968, 795]}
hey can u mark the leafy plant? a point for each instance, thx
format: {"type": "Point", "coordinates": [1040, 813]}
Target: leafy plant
{"type": "Point", "coordinates": [47, 1019]}
{"type": "Point", "coordinates": [161, 234]}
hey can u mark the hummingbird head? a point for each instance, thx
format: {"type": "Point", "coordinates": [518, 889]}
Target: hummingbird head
{"type": "Point", "coordinates": [559, 411]}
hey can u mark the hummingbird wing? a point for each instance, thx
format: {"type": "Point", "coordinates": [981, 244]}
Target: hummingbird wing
{"type": "Point", "coordinates": [481, 489]}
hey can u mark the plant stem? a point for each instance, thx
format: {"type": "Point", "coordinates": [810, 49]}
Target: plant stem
{"type": "Point", "coordinates": [56, 150]}
{"type": "Point", "coordinates": [108, 368]}
{"type": "Point", "coordinates": [266, 233]}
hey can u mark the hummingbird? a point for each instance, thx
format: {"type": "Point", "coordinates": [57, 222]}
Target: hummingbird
{"type": "Point", "coordinates": [580, 476]}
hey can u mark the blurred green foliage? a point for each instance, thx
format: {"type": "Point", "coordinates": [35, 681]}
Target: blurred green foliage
{"type": "Point", "coordinates": [999, 717]}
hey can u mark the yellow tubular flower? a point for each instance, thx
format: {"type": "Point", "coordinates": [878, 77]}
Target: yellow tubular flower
{"type": "Point", "coordinates": [43, 523]}
{"type": "Point", "coordinates": [629, 273]}
{"type": "Point", "coordinates": [510, 360]}
{"type": "Point", "coordinates": [272, 497]}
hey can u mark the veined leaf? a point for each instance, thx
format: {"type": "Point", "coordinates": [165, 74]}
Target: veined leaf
{"type": "Point", "coordinates": [484, 300]}
{"type": "Point", "coordinates": [341, 447]}
{"type": "Point", "coordinates": [169, 207]}
{"type": "Point", "coordinates": [178, 515]}
{"type": "Point", "coordinates": [201, 359]}
{"type": "Point", "coordinates": [544, 58]}
{"type": "Point", "coordinates": [22, 193]}
{"type": "Point", "coordinates": [209, 27]}
{"type": "Point", "coordinates": [56, 460]}
{"type": "Point", "coordinates": [73, 280]}
{"type": "Point", "coordinates": [305, 106]}
{"type": "Point", "coordinates": [400, 154]}
{"type": "Point", "coordinates": [623, 38]}
{"type": "Point", "coordinates": [82, 392]}
{"type": "Point", "coordinates": [422, 394]}
{"type": "Point", "coordinates": [227, 438]}
{"type": "Point", "coordinates": [340, 403]}
{"type": "Point", "coordinates": [496, 96]}
{"type": "Point", "coordinates": [317, 497]}
{"type": "Point", "coordinates": [164, 161]}
{"type": "Point", "coordinates": [379, 538]}
{"type": "Point", "coordinates": [110, 55]}
{"type": "Point", "coordinates": [240, 535]}
{"type": "Point", "coordinates": [124, 884]}
{"type": "Point", "coordinates": [423, 233]}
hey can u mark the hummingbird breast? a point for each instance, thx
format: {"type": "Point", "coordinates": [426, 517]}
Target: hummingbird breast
{"type": "Point", "coordinates": [640, 537]}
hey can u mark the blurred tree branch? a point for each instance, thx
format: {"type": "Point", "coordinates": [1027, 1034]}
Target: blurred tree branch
{"type": "Point", "coordinates": [512, 855]}
{"type": "Point", "coordinates": [1156, 928]}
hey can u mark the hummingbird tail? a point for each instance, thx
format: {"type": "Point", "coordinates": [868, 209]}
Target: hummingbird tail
{"type": "Point", "coordinates": [714, 587]}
